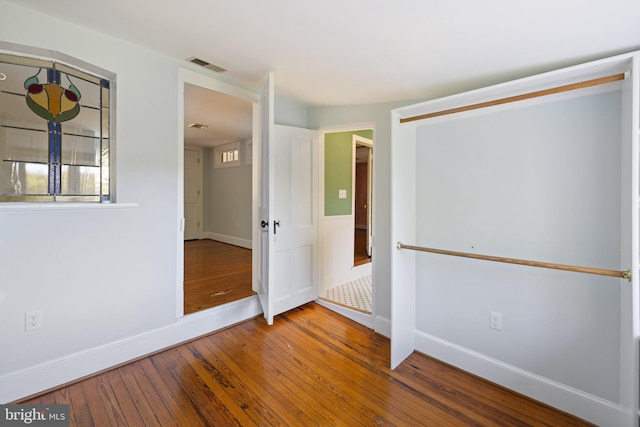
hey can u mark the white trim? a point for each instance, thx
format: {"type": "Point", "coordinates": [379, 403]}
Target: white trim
{"type": "Point", "coordinates": [403, 226]}
{"type": "Point", "coordinates": [322, 244]}
{"type": "Point", "coordinates": [54, 55]}
{"type": "Point", "coordinates": [382, 326]}
{"type": "Point", "coordinates": [231, 240]}
{"type": "Point", "coordinates": [53, 207]}
{"type": "Point", "coordinates": [349, 128]}
{"type": "Point", "coordinates": [563, 76]}
{"type": "Point", "coordinates": [207, 82]}
{"type": "Point", "coordinates": [182, 79]}
{"type": "Point", "coordinates": [18, 385]}
{"type": "Point", "coordinates": [630, 207]}
{"type": "Point", "coordinates": [361, 140]}
{"type": "Point", "coordinates": [565, 398]}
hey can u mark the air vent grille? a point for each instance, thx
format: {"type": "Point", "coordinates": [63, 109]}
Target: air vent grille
{"type": "Point", "coordinates": [206, 64]}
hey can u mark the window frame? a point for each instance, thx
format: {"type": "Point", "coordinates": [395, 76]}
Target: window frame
{"type": "Point", "coordinates": [105, 139]}
{"type": "Point", "coordinates": [220, 150]}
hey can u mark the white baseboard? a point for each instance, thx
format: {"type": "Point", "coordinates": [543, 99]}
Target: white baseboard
{"type": "Point", "coordinates": [18, 385]}
{"type": "Point", "coordinates": [231, 240]}
{"type": "Point", "coordinates": [382, 326]}
{"type": "Point", "coordinates": [584, 405]}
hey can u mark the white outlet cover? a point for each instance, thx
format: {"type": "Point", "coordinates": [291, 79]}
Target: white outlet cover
{"type": "Point", "coordinates": [495, 320]}
{"type": "Point", "coordinates": [33, 320]}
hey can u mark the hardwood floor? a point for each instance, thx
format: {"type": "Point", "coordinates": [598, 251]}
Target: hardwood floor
{"type": "Point", "coordinates": [312, 367]}
{"type": "Point", "coordinates": [215, 273]}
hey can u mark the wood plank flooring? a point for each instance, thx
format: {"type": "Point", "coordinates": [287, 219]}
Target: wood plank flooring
{"type": "Point", "coordinates": [311, 368]}
{"type": "Point", "coordinates": [215, 273]}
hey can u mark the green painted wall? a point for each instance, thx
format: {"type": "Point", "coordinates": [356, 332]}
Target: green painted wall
{"type": "Point", "coordinates": [338, 162]}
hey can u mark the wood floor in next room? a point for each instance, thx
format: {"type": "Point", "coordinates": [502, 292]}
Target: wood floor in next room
{"type": "Point", "coordinates": [215, 273]}
{"type": "Point", "coordinates": [312, 367]}
{"type": "Point", "coordinates": [360, 255]}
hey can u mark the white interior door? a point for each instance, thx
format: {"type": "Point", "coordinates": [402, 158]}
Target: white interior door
{"type": "Point", "coordinates": [294, 222]}
{"type": "Point", "coordinates": [192, 193]}
{"type": "Point", "coordinates": [262, 137]}
{"type": "Point", "coordinates": [286, 259]}
{"type": "Point", "coordinates": [403, 228]}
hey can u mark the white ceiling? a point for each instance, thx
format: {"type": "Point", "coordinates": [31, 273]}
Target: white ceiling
{"type": "Point", "coordinates": [228, 118]}
{"type": "Point", "coordinates": [337, 52]}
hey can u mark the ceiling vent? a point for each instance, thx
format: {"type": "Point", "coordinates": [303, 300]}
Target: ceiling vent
{"type": "Point", "coordinates": [206, 64]}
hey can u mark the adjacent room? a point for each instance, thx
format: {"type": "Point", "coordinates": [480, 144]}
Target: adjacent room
{"type": "Point", "coordinates": [217, 198]}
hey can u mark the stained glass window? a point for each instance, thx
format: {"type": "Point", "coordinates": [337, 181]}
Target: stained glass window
{"type": "Point", "coordinates": [54, 132]}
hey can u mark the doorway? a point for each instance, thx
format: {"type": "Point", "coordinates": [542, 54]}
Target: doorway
{"type": "Point", "coordinates": [362, 200]}
{"type": "Point", "coordinates": [348, 222]}
{"type": "Point", "coordinates": [217, 178]}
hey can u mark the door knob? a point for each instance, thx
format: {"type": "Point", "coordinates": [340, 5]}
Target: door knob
{"type": "Point", "coordinates": [263, 224]}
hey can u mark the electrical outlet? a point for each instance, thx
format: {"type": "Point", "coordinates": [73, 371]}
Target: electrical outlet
{"type": "Point", "coordinates": [495, 320]}
{"type": "Point", "coordinates": [33, 320]}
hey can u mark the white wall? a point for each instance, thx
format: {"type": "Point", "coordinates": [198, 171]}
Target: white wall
{"type": "Point", "coordinates": [227, 200]}
{"type": "Point", "coordinates": [499, 184]}
{"type": "Point", "coordinates": [289, 112]}
{"type": "Point", "coordinates": [337, 245]}
{"type": "Point", "coordinates": [105, 274]}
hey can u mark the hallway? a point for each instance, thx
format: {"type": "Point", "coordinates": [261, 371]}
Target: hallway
{"type": "Point", "coordinates": [215, 273]}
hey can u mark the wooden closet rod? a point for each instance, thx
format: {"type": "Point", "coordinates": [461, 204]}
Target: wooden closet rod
{"type": "Point", "coordinates": [559, 89]}
{"type": "Point", "coordinates": [589, 270]}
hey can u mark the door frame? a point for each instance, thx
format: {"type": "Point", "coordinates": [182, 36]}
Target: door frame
{"type": "Point", "coordinates": [207, 82]}
{"type": "Point", "coordinates": [360, 141]}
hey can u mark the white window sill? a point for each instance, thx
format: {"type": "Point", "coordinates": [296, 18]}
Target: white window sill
{"type": "Point", "coordinates": [43, 207]}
